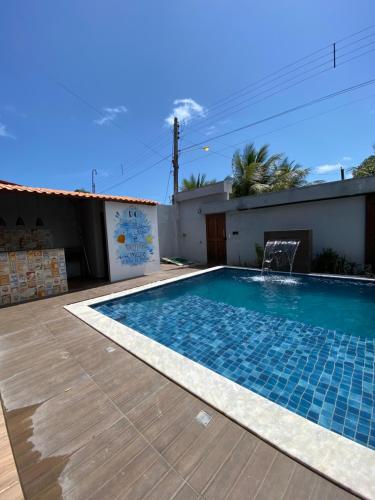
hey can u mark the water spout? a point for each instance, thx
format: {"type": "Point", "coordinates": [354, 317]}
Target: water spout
{"type": "Point", "coordinates": [278, 254]}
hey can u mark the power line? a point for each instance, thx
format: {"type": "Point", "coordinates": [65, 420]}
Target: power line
{"type": "Point", "coordinates": [231, 98]}
{"type": "Point", "coordinates": [99, 112]}
{"type": "Point", "coordinates": [255, 85]}
{"type": "Point", "coordinates": [287, 111]}
{"type": "Point", "coordinates": [232, 109]}
{"type": "Point", "coordinates": [138, 173]}
{"type": "Point", "coordinates": [292, 124]}
{"type": "Point", "coordinates": [326, 47]}
{"type": "Point", "coordinates": [309, 103]}
{"type": "Point", "coordinates": [114, 124]}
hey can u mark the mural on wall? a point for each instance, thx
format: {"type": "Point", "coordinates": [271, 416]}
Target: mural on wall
{"type": "Point", "coordinates": [132, 239]}
{"type": "Point", "coordinates": [133, 236]}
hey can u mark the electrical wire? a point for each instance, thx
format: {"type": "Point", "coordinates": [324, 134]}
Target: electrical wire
{"type": "Point", "coordinates": [244, 91]}
{"type": "Point", "coordinates": [326, 47]}
{"type": "Point", "coordinates": [289, 110]}
{"type": "Point", "coordinates": [135, 175]}
{"type": "Point", "coordinates": [100, 113]}
{"type": "Point", "coordinates": [232, 109]}
{"type": "Point", "coordinates": [289, 125]}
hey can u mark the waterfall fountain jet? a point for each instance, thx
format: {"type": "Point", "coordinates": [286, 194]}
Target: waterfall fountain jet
{"type": "Point", "coordinates": [276, 252]}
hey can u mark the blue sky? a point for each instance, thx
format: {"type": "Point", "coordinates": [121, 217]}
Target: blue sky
{"type": "Point", "coordinates": [133, 60]}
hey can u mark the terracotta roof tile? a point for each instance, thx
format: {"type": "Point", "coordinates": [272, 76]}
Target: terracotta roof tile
{"type": "Point", "coordinates": [73, 194]}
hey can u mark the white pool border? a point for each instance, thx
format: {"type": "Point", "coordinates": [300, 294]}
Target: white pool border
{"type": "Point", "coordinates": [336, 457]}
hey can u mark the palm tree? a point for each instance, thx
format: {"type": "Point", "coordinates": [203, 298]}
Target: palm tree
{"type": "Point", "coordinates": [252, 170]}
{"type": "Point", "coordinates": [195, 182]}
{"type": "Point", "coordinates": [256, 171]}
{"type": "Point", "coordinates": [288, 174]}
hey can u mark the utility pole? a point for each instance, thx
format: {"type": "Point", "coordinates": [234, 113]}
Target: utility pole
{"type": "Point", "coordinates": [342, 172]}
{"type": "Point", "coordinates": [176, 137]}
{"type": "Point", "coordinates": [93, 172]}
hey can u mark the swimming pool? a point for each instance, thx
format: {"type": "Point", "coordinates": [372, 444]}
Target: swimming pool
{"type": "Point", "coordinates": [306, 344]}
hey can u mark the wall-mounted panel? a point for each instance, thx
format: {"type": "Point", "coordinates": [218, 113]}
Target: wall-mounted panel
{"type": "Point", "coordinates": [132, 239]}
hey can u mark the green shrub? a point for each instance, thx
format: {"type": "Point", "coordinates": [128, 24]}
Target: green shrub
{"type": "Point", "coordinates": [329, 261]}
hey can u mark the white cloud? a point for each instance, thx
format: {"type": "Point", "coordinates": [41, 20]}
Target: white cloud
{"type": "Point", "coordinates": [4, 132]}
{"type": "Point", "coordinates": [110, 114]}
{"type": "Point", "coordinates": [325, 169]}
{"type": "Point", "coordinates": [346, 158]}
{"type": "Point", "coordinates": [186, 110]}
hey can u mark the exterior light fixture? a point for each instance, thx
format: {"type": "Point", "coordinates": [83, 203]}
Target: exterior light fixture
{"type": "Point", "coordinates": [20, 221]}
{"type": "Point", "coordinates": [39, 222]}
{"type": "Point", "coordinates": [206, 148]}
{"type": "Point", "coordinates": [2, 222]}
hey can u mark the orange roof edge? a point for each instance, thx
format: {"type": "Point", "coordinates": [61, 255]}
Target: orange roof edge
{"type": "Point", "coordinates": [5, 186]}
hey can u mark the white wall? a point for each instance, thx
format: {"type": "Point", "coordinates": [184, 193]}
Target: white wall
{"type": "Point", "coordinates": [334, 212]}
{"type": "Point", "coordinates": [191, 221]}
{"type": "Point", "coordinates": [192, 243]}
{"type": "Point", "coordinates": [167, 228]}
{"type": "Point", "coordinates": [337, 224]}
{"type": "Point", "coordinates": [191, 224]}
{"type": "Point", "coordinates": [132, 239]}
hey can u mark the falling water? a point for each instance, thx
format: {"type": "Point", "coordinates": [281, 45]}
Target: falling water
{"type": "Point", "coordinates": [278, 254]}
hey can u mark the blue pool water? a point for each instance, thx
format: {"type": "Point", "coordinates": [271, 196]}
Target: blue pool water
{"type": "Point", "coordinates": [308, 346]}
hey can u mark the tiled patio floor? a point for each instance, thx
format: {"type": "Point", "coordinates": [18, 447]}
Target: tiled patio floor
{"type": "Point", "coordinates": [86, 421]}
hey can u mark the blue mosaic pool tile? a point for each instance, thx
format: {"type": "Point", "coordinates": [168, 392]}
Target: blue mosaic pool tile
{"type": "Point", "coordinates": [323, 375]}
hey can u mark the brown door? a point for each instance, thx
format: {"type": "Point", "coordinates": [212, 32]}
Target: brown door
{"type": "Point", "coordinates": [216, 239]}
{"type": "Point", "coordinates": [370, 232]}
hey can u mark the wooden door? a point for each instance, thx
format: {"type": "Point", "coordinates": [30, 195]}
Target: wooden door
{"type": "Point", "coordinates": [370, 231]}
{"type": "Point", "coordinates": [216, 239]}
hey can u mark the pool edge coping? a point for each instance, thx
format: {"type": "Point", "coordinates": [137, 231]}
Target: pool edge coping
{"type": "Point", "coordinates": [336, 457]}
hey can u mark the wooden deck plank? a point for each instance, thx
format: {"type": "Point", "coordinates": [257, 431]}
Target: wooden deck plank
{"type": "Point", "coordinates": [186, 493]}
{"type": "Point", "coordinates": [160, 425]}
{"type": "Point", "coordinates": [325, 490]}
{"type": "Point", "coordinates": [215, 457]}
{"type": "Point", "coordinates": [139, 381]}
{"type": "Point", "coordinates": [156, 405]}
{"type": "Point", "coordinates": [91, 482]}
{"type": "Point", "coordinates": [277, 478]}
{"type": "Point", "coordinates": [190, 435]}
{"type": "Point", "coordinates": [83, 461]}
{"type": "Point", "coordinates": [301, 485]}
{"type": "Point", "coordinates": [35, 385]}
{"type": "Point", "coordinates": [146, 481]}
{"type": "Point", "coordinates": [194, 454]}
{"type": "Point", "coordinates": [98, 355]}
{"type": "Point", "coordinates": [254, 472]}
{"type": "Point", "coordinates": [223, 482]}
{"type": "Point", "coordinates": [122, 482]}
{"type": "Point", "coordinates": [167, 487]}
{"type": "Point", "coordinates": [85, 421]}
{"type": "Point", "coordinates": [179, 426]}
{"type": "Point", "coordinates": [13, 492]}
{"type": "Point", "coordinates": [10, 487]}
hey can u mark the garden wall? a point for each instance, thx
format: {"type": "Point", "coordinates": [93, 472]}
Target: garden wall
{"type": "Point", "coordinates": [334, 212]}
{"type": "Point", "coordinates": [338, 224]}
